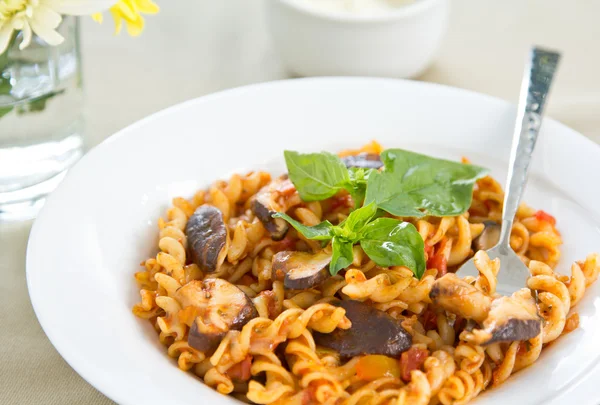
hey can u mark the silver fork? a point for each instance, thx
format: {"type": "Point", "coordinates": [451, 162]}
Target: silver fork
{"type": "Point", "coordinates": [539, 72]}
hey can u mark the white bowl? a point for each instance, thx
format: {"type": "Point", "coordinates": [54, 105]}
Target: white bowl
{"type": "Point", "coordinates": [401, 43]}
{"type": "Point", "coordinates": [102, 220]}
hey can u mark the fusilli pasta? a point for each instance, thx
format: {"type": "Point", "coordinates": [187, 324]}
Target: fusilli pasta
{"type": "Point", "coordinates": [272, 357]}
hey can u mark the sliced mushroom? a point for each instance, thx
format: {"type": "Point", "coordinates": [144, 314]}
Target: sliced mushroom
{"type": "Point", "coordinates": [301, 270]}
{"type": "Point", "coordinates": [372, 332]}
{"type": "Point", "coordinates": [263, 207]}
{"type": "Point", "coordinates": [364, 161]}
{"type": "Point", "coordinates": [221, 307]}
{"type": "Point", "coordinates": [510, 319]}
{"type": "Point", "coordinates": [488, 238]}
{"type": "Point", "coordinates": [461, 298]}
{"type": "Point", "coordinates": [207, 238]}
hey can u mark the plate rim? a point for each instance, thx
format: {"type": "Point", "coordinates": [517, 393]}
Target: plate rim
{"type": "Point", "coordinates": [116, 395]}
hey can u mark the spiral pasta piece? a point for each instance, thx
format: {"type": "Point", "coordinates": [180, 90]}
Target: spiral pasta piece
{"type": "Point", "coordinates": [172, 256]}
{"type": "Point", "coordinates": [554, 299]}
{"type": "Point", "coordinates": [488, 270]}
{"type": "Point", "coordinates": [469, 357]}
{"type": "Point", "coordinates": [461, 246]}
{"type": "Point", "coordinates": [170, 325]}
{"type": "Point", "coordinates": [590, 268]}
{"type": "Point", "coordinates": [305, 364]}
{"type": "Point", "coordinates": [438, 368]}
{"type": "Point", "coordinates": [221, 382]}
{"type": "Point", "coordinates": [187, 357]}
{"type": "Point", "coordinates": [462, 387]}
{"type": "Point", "coordinates": [528, 352]}
{"type": "Point", "coordinates": [506, 367]}
{"type": "Point", "coordinates": [519, 238]}
{"type": "Point", "coordinates": [278, 384]}
{"type": "Point", "coordinates": [147, 308]}
{"type": "Point", "coordinates": [371, 390]}
{"type": "Point", "coordinates": [379, 288]}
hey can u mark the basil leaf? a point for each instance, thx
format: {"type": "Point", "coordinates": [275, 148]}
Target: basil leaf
{"type": "Point", "coordinates": [317, 176]}
{"type": "Point", "coordinates": [383, 189]}
{"type": "Point", "coordinates": [358, 195]}
{"type": "Point", "coordinates": [342, 255]}
{"type": "Point", "coordinates": [357, 219]}
{"type": "Point", "coordinates": [414, 185]}
{"type": "Point", "coordinates": [322, 231]}
{"type": "Point", "coordinates": [389, 242]}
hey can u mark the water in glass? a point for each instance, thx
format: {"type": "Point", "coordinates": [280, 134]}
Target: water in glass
{"type": "Point", "coordinates": [41, 120]}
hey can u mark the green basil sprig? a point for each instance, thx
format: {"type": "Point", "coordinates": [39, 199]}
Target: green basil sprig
{"type": "Point", "coordinates": [410, 185]}
{"type": "Point", "coordinates": [358, 184]}
{"type": "Point", "coordinates": [387, 241]}
{"type": "Point", "coordinates": [414, 185]}
{"type": "Point", "coordinates": [318, 176]}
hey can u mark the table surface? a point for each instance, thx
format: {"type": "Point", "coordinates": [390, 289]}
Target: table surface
{"type": "Point", "coordinates": [206, 46]}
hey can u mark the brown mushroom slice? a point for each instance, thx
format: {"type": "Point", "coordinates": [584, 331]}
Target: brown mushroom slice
{"type": "Point", "coordinates": [207, 238]}
{"type": "Point", "coordinates": [372, 332]}
{"type": "Point", "coordinates": [263, 207]}
{"type": "Point", "coordinates": [459, 297]}
{"type": "Point", "coordinates": [488, 238]}
{"type": "Point", "coordinates": [301, 270]}
{"type": "Point", "coordinates": [363, 161]}
{"type": "Point", "coordinates": [221, 307]}
{"type": "Point", "coordinates": [510, 319]}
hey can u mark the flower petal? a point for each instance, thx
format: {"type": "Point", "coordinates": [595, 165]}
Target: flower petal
{"type": "Point", "coordinates": [135, 27]}
{"type": "Point", "coordinates": [79, 7]}
{"type": "Point", "coordinates": [29, 11]}
{"type": "Point", "coordinates": [26, 36]}
{"type": "Point", "coordinates": [127, 10]}
{"type": "Point", "coordinates": [118, 20]}
{"type": "Point", "coordinates": [147, 7]}
{"type": "Point", "coordinates": [17, 23]}
{"type": "Point", "coordinates": [48, 34]}
{"type": "Point", "coordinates": [50, 17]}
{"type": "Point", "coordinates": [5, 35]}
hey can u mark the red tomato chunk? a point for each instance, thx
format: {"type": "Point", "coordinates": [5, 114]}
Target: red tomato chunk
{"type": "Point", "coordinates": [544, 216]}
{"type": "Point", "coordinates": [411, 360]}
{"type": "Point", "coordinates": [241, 370]}
{"type": "Point", "coordinates": [429, 320]}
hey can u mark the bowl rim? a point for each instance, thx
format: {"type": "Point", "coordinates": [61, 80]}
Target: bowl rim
{"type": "Point", "coordinates": [404, 12]}
{"type": "Point", "coordinates": [83, 372]}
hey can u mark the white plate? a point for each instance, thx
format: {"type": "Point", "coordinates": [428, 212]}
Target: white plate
{"type": "Point", "coordinates": [101, 222]}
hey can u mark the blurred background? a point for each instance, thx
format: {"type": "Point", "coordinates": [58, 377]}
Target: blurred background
{"type": "Point", "coordinates": [196, 47]}
{"type": "Point", "coordinates": [202, 46]}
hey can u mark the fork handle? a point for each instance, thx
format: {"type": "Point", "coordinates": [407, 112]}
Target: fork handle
{"type": "Point", "coordinates": [539, 72]}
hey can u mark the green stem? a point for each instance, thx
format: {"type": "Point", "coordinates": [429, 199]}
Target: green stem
{"type": "Point", "coordinates": [5, 86]}
{"type": "Point", "coordinates": [4, 56]}
{"type": "Point", "coordinates": [3, 60]}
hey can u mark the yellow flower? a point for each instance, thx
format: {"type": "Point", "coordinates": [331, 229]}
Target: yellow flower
{"type": "Point", "coordinates": [41, 17]}
{"type": "Point", "coordinates": [130, 11]}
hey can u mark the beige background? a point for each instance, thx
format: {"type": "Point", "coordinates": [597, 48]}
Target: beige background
{"type": "Point", "coordinates": [195, 47]}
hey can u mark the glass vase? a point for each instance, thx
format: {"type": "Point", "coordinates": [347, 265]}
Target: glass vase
{"type": "Point", "coordinates": [41, 119]}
